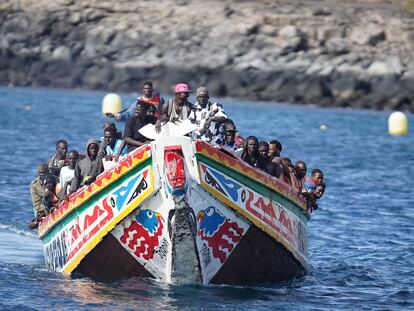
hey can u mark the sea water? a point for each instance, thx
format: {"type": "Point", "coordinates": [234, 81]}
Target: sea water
{"type": "Point", "coordinates": [361, 239]}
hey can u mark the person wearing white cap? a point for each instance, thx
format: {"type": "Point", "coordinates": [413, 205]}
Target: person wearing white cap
{"type": "Point", "coordinates": [177, 108]}
{"type": "Point", "coordinates": [210, 118]}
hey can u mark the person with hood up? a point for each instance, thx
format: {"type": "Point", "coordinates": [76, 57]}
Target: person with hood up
{"type": "Point", "coordinates": [87, 169]}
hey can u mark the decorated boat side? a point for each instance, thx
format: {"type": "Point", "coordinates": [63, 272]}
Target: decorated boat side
{"type": "Point", "coordinates": [180, 210]}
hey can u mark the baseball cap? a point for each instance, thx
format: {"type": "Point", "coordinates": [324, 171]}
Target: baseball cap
{"type": "Point", "coordinates": [182, 88]}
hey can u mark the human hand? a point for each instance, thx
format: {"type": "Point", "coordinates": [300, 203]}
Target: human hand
{"type": "Point", "coordinates": [158, 127]}
{"type": "Point", "coordinates": [110, 115]}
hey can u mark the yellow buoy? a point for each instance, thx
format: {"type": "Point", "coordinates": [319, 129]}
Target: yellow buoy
{"type": "Point", "coordinates": [397, 124]}
{"type": "Point", "coordinates": [111, 103]}
{"type": "Point", "coordinates": [323, 127]}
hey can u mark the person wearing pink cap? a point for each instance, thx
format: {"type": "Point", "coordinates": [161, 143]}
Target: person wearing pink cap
{"type": "Point", "coordinates": [177, 108]}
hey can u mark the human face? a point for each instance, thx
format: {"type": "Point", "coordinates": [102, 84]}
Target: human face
{"type": "Point", "coordinates": [140, 111]}
{"type": "Point", "coordinates": [300, 170]}
{"type": "Point", "coordinates": [50, 186]}
{"type": "Point", "coordinates": [61, 150]}
{"type": "Point", "coordinates": [263, 151]}
{"type": "Point", "coordinates": [317, 179]}
{"type": "Point", "coordinates": [41, 172]}
{"type": "Point", "coordinates": [72, 158]}
{"type": "Point", "coordinates": [203, 99]}
{"type": "Point", "coordinates": [93, 150]}
{"type": "Point", "coordinates": [147, 90]}
{"type": "Point", "coordinates": [109, 138]}
{"type": "Point", "coordinates": [251, 146]}
{"type": "Point", "coordinates": [183, 97]}
{"type": "Point", "coordinates": [274, 151]}
{"type": "Point", "coordinates": [229, 137]}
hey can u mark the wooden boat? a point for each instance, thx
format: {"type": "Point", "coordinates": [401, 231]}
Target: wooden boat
{"type": "Point", "coordinates": [180, 211]}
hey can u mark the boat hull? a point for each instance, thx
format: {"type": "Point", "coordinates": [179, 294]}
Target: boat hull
{"type": "Point", "coordinates": [180, 211]}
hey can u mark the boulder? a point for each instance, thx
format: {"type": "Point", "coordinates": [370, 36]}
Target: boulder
{"type": "Point", "coordinates": [370, 34]}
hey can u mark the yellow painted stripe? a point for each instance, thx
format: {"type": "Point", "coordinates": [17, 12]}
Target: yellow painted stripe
{"type": "Point", "coordinates": [90, 245]}
{"type": "Point", "coordinates": [257, 223]}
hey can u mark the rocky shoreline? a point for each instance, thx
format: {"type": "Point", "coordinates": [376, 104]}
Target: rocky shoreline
{"type": "Point", "coordinates": [330, 53]}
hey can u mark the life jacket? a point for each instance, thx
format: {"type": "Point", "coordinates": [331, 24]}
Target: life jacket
{"type": "Point", "coordinates": [155, 100]}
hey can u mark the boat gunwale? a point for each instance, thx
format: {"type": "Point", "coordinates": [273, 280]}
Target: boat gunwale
{"type": "Point", "coordinates": [68, 207]}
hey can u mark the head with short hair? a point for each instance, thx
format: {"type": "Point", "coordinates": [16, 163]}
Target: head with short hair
{"type": "Point", "coordinates": [108, 125]}
{"type": "Point", "coordinates": [141, 108]}
{"type": "Point", "coordinates": [317, 176]}
{"type": "Point", "coordinates": [49, 182]}
{"type": "Point", "coordinates": [73, 157]}
{"type": "Point", "coordinates": [110, 136]}
{"type": "Point", "coordinates": [147, 89]}
{"type": "Point", "coordinates": [263, 149]}
{"type": "Point", "coordinates": [275, 148]}
{"type": "Point", "coordinates": [301, 169]}
{"type": "Point", "coordinates": [61, 148]}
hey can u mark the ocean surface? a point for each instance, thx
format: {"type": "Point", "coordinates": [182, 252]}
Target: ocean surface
{"type": "Point", "coordinates": [361, 239]}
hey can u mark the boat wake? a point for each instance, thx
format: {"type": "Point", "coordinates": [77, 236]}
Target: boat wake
{"type": "Point", "coordinates": [17, 230]}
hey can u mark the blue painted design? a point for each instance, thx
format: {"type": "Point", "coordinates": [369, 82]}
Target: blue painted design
{"type": "Point", "coordinates": [229, 185]}
{"type": "Point", "coordinates": [122, 193]}
{"type": "Point", "coordinates": [210, 220]}
{"type": "Point", "coordinates": [148, 219]}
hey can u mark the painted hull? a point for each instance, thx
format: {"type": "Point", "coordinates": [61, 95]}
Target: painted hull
{"type": "Point", "coordinates": [180, 211]}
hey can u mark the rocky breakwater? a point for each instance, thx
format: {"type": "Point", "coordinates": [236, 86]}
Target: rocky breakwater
{"type": "Point", "coordinates": [335, 53]}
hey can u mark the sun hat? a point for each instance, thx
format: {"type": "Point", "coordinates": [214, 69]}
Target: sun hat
{"type": "Point", "coordinates": [182, 88]}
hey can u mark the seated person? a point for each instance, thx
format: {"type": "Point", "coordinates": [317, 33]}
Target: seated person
{"type": "Point", "coordinates": [275, 148]}
{"type": "Point", "coordinates": [250, 152]}
{"type": "Point", "coordinates": [264, 161]}
{"type": "Point", "coordinates": [87, 169]}
{"type": "Point", "coordinates": [37, 191]}
{"type": "Point", "coordinates": [59, 159]}
{"type": "Point", "coordinates": [320, 190]}
{"type": "Point", "coordinates": [114, 147]}
{"type": "Point", "coordinates": [315, 180]}
{"type": "Point", "coordinates": [112, 125]}
{"type": "Point", "coordinates": [300, 169]}
{"type": "Point", "coordinates": [67, 172]}
{"type": "Point", "coordinates": [229, 141]}
{"type": "Point", "coordinates": [132, 137]}
{"type": "Point", "coordinates": [50, 198]}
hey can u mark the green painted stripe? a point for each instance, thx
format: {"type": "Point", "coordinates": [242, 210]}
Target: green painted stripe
{"type": "Point", "coordinates": [80, 209]}
{"type": "Point", "coordinates": [258, 187]}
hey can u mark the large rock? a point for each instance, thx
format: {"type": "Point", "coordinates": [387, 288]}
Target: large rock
{"type": "Point", "coordinates": [370, 34]}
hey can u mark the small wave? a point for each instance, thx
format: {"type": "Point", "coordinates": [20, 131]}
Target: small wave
{"type": "Point", "coordinates": [17, 230]}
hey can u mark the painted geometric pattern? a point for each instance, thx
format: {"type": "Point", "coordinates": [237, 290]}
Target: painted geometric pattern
{"type": "Point", "coordinates": [82, 233]}
{"type": "Point", "coordinates": [265, 213]}
{"type": "Point", "coordinates": [102, 181]}
{"type": "Point", "coordinates": [245, 169]}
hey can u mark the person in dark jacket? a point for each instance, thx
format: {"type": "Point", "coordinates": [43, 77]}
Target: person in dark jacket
{"type": "Point", "coordinates": [87, 169]}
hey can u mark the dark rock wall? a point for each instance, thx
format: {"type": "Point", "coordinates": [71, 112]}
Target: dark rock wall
{"type": "Point", "coordinates": [334, 53]}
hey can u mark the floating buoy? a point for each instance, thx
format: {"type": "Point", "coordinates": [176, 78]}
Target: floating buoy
{"type": "Point", "coordinates": [111, 103]}
{"type": "Point", "coordinates": [323, 127]}
{"type": "Point", "coordinates": [397, 124]}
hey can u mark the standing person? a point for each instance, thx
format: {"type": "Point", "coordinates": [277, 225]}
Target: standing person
{"type": "Point", "coordinates": [209, 117]}
{"type": "Point", "coordinates": [177, 108]}
{"type": "Point", "coordinates": [132, 137]}
{"type": "Point", "coordinates": [67, 172]}
{"type": "Point", "coordinates": [59, 159]}
{"type": "Point", "coordinates": [154, 100]}
{"type": "Point", "coordinates": [37, 191]}
{"type": "Point", "coordinates": [87, 169]}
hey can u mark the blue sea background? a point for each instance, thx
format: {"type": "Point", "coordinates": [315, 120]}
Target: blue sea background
{"type": "Point", "coordinates": [361, 239]}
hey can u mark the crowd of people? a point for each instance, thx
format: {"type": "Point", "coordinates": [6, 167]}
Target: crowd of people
{"type": "Point", "coordinates": [65, 172]}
